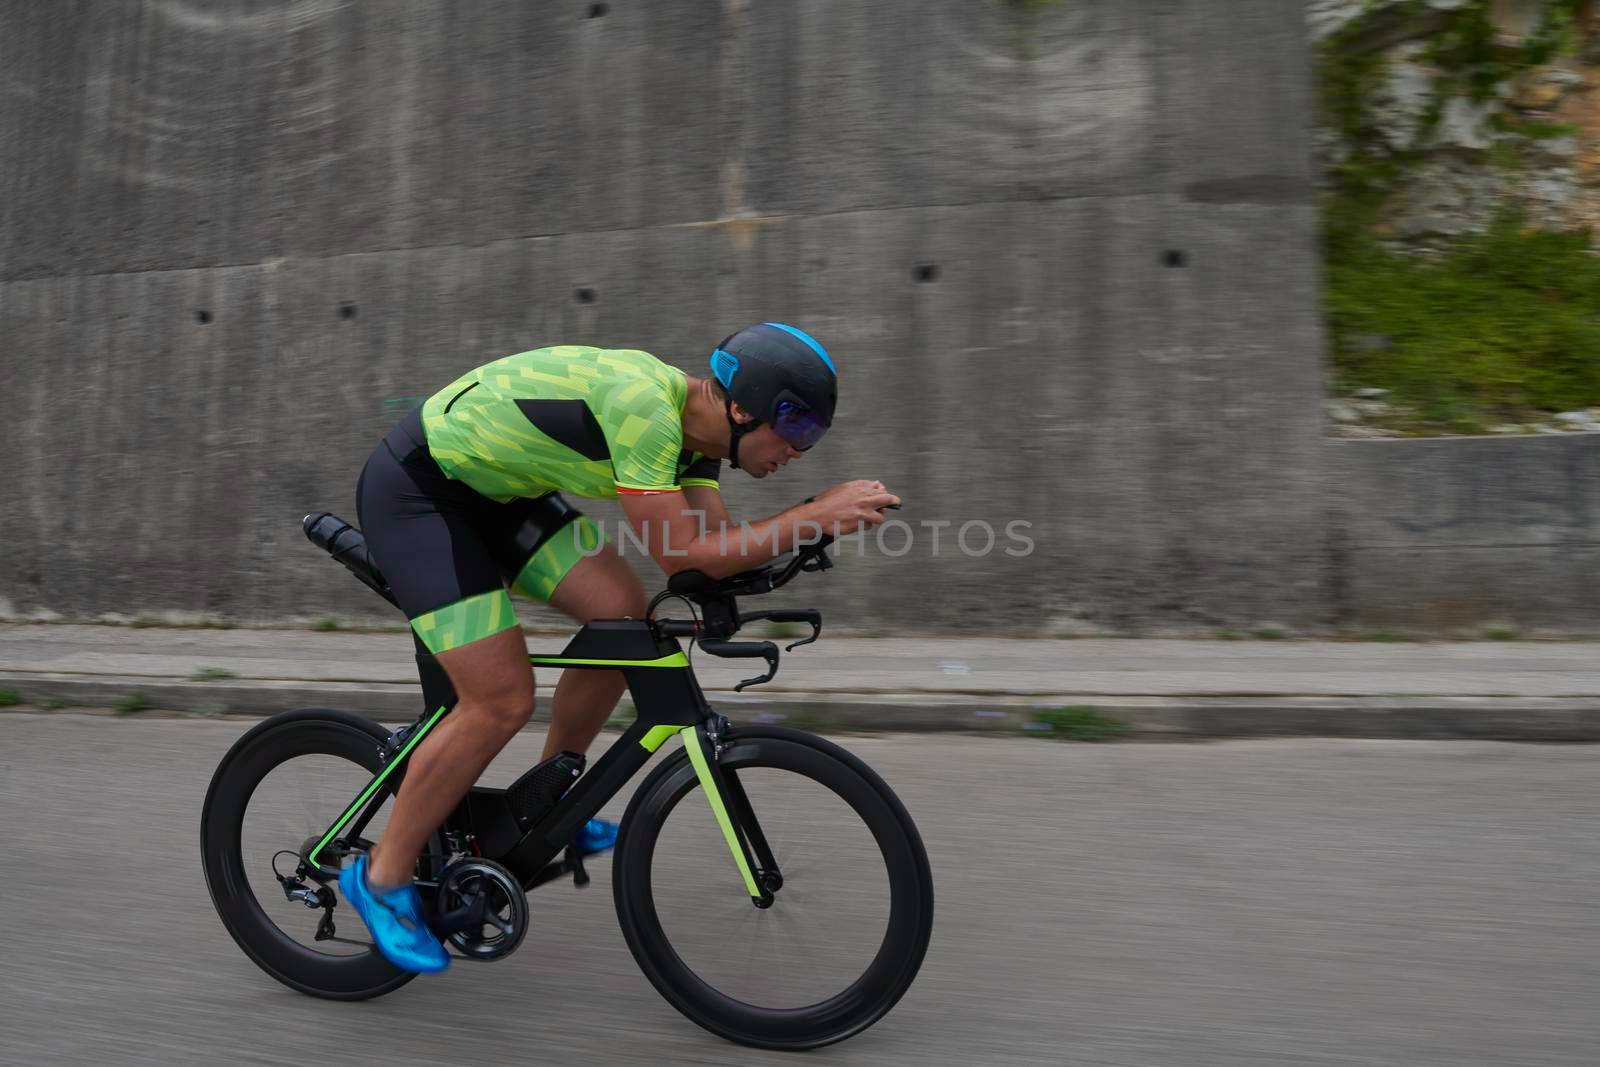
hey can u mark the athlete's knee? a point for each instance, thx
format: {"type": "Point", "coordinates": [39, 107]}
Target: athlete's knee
{"type": "Point", "coordinates": [504, 712]}
{"type": "Point", "coordinates": [502, 701]}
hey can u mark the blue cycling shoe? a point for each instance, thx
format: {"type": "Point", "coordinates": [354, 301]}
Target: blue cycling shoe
{"type": "Point", "coordinates": [394, 917]}
{"type": "Point", "coordinates": [597, 835]}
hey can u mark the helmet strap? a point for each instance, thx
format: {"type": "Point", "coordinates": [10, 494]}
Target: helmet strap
{"type": "Point", "coordinates": [736, 430]}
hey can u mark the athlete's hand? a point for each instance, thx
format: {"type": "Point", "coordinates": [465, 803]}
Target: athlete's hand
{"type": "Point", "coordinates": [853, 506]}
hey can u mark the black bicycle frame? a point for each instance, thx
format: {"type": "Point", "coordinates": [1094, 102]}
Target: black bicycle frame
{"type": "Point", "coordinates": [669, 702]}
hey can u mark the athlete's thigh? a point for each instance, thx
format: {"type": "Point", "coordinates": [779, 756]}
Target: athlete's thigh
{"type": "Point", "coordinates": [431, 551]}
{"type": "Point", "coordinates": [550, 552]}
{"type": "Point", "coordinates": [600, 586]}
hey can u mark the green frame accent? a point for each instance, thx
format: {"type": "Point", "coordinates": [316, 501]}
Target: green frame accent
{"type": "Point", "coordinates": [372, 787]}
{"type": "Point", "coordinates": [702, 769]}
{"type": "Point", "coordinates": [675, 659]}
{"type": "Point", "coordinates": [667, 701]}
{"type": "Point", "coordinates": [657, 736]}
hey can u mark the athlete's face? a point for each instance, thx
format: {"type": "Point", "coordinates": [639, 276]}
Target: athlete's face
{"type": "Point", "coordinates": [762, 451]}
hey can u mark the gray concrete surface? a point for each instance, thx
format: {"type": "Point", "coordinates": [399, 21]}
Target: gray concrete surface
{"type": "Point", "coordinates": [1284, 902]}
{"type": "Point", "coordinates": [1201, 689]}
{"type": "Point", "coordinates": [1450, 534]}
{"type": "Point", "coordinates": [1117, 341]}
{"type": "Point", "coordinates": [365, 202]}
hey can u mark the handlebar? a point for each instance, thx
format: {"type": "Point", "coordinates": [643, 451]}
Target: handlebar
{"type": "Point", "coordinates": [717, 598]}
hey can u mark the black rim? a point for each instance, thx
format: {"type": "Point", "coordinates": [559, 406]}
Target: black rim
{"type": "Point", "coordinates": [892, 967]}
{"type": "Point", "coordinates": [350, 976]}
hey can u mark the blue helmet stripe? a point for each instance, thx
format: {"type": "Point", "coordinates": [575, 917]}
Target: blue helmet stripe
{"type": "Point", "coordinates": [808, 339]}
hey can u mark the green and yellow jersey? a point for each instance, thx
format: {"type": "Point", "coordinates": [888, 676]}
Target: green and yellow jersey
{"type": "Point", "coordinates": [591, 422]}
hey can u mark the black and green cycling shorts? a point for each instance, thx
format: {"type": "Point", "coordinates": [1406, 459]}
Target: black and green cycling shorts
{"type": "Point", "coordinates": [449, 552]}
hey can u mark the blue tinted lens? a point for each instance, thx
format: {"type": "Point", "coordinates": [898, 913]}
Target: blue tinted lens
{"type": "Point", "coordinates": [798, 425]}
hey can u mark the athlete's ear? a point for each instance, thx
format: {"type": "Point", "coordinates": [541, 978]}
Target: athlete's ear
{"type": "Point", "coordinates": [741, 416]}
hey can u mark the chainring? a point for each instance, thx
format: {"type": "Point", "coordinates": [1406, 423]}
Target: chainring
{"type": "Point", "coordinates": [499, 928]}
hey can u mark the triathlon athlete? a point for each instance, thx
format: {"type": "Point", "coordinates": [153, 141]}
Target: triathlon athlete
{"type": "Point", "coordinates": [466, 497]}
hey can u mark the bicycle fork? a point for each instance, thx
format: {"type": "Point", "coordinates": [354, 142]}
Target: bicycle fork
{"type": "Point", "coordinates": [731, 807]}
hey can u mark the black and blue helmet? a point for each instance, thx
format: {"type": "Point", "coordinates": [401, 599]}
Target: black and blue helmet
{"type": "Point", "coordinates": [783, 377]}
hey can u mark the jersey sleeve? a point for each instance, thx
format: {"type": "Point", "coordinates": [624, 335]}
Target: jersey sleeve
{"type": "Point", "coordinates": [703, 471]}
{"type": "Point", "coordinates": [645, 434]}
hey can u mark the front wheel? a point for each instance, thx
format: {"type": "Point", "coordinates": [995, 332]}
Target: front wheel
{"type": "Point", "coordinates": [852, 907]}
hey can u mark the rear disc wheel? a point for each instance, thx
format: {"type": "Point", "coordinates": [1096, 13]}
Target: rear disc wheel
{"type": "Point", "coordinates": [277, 790]}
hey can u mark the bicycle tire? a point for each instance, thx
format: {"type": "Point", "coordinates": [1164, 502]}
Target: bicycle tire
{"type": "Point", "coordinates": [268, 745]}
{"type": "Point", "coordinates": [905, 943]}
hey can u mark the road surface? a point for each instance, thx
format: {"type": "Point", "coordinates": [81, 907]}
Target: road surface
{"type": "Point", "coordinates": [1267, 902]}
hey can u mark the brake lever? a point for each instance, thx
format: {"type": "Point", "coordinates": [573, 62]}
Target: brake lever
{"type": "Point", "coordinates": [806, 615]}
{"type": "Point", "coordinates": [746, 650]}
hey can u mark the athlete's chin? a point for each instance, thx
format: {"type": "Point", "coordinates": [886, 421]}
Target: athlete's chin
{"type": "Point", "coordinates": [762, 473]}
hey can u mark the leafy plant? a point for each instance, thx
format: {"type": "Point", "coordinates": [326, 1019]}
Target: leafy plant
{"type": "Point", "coordinates": [131, 703]}
{"type": "Point", "coordinates": [1493, 327]}
{"type": "Point", "coordinates": [1078, 724]}
{"type": "Point", "coordinates": [1501, 327]}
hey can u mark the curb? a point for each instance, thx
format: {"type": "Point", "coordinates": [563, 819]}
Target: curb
{"type": "Point", "coordinates": [1134, 718]}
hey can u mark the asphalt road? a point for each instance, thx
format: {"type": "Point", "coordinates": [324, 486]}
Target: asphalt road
{"type": "Point", "coordinates": [1283, 902]}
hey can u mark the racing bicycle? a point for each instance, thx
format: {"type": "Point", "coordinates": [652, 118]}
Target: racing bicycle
{"type": "Point", "coordinates": [768, 883]}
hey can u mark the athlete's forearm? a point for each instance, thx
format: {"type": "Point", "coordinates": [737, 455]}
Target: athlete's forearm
{"type": "Point", "coordinates": [729, 549]}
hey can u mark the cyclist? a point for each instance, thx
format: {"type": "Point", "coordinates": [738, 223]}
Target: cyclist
{"type": "Point", "coordinates": [467, 496]}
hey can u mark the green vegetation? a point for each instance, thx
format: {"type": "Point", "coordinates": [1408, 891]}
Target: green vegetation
{"type": "Point", "coordinates": [1501, 326]}
{"type": "Point", "coordinates": [9, 698]}
{"type": "Point", "coordinates": [1502, 633]}
{"type": "Point", "coordinates": [50, 703]}
{"type": "Point", "coordinates": [1488, 328]}
{"type": "Point", "coordinates": [131, 703]}
{"type": "Point", "coordinates": [325, 626]}
{"type": "Point", "coordinates": [211, 674]}
{"type": "Point", "coordinates": [1474, 64]}
{"type": "Point", "coordinates": [1079, 724]}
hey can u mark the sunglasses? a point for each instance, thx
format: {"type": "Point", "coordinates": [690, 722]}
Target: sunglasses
{"type": "Point", "coordinates": [798, 425]}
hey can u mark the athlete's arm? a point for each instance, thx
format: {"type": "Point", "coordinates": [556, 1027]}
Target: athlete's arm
{"type": "Point", "coordinates": [707, 500]}
{"type": "Point", "coordinates": [671, 530]}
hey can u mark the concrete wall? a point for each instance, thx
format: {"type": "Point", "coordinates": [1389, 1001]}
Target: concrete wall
{"type": "Point", "coordinates": [1066, 263]}
{"type": "Point", "coordinates": [1455, 534]}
